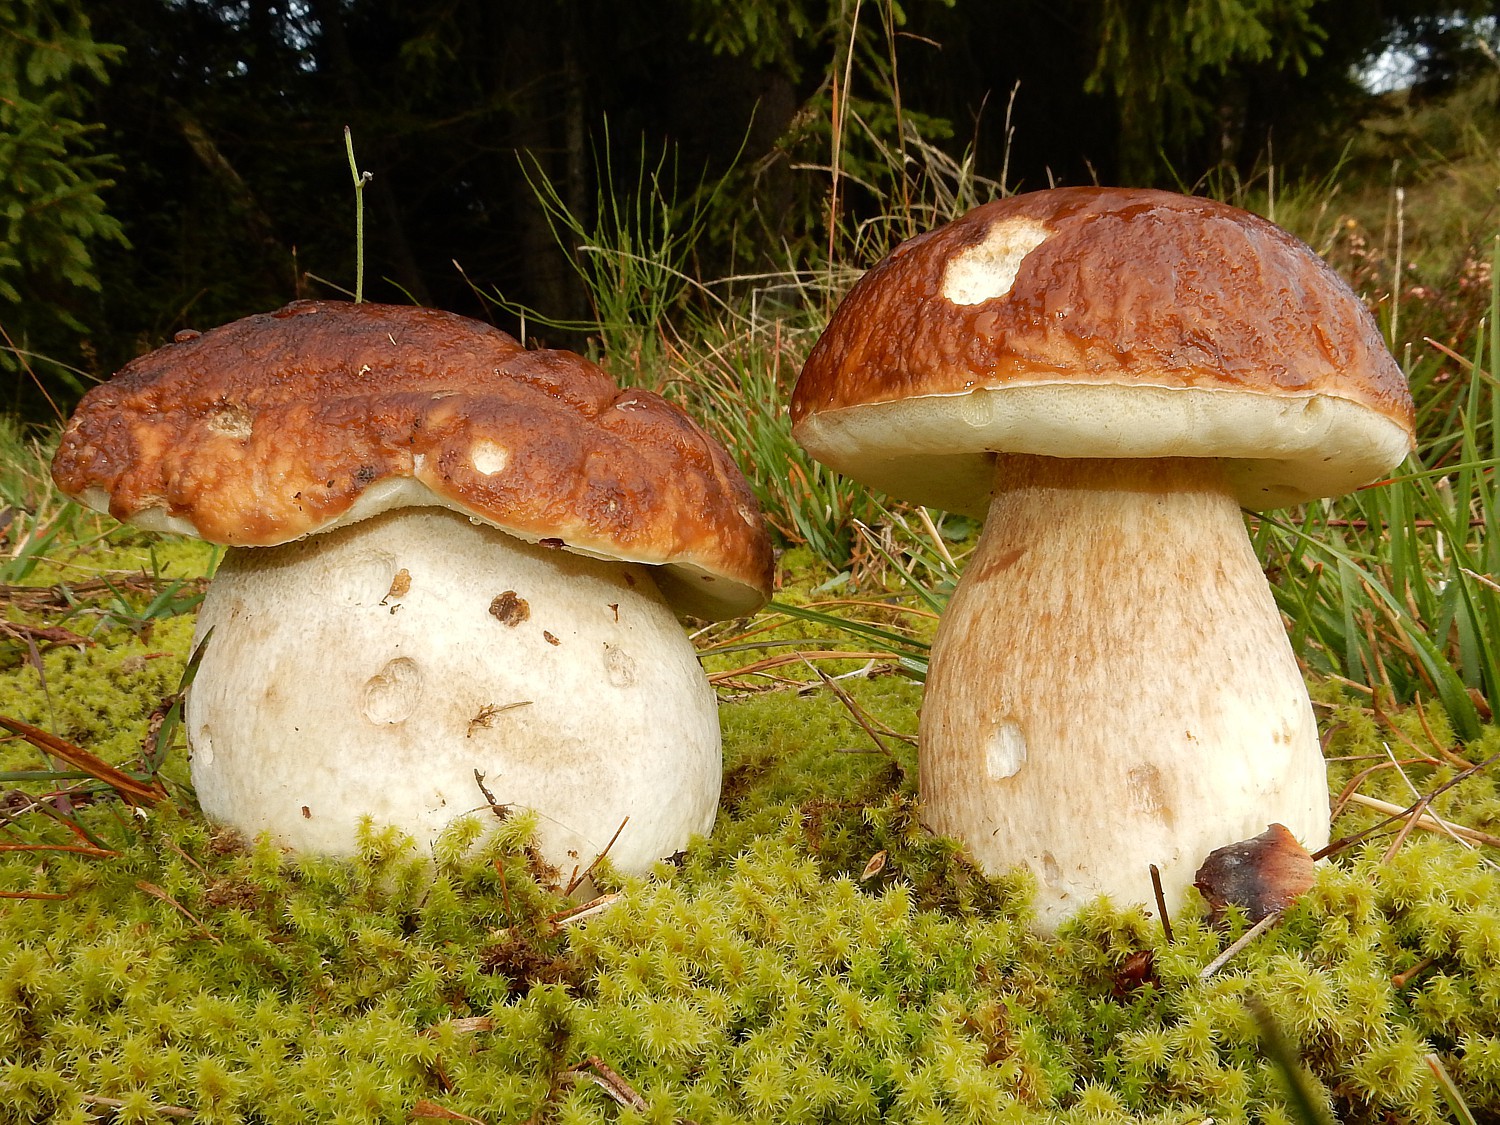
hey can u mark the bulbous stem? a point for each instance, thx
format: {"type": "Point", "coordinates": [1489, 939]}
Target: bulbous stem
{"type": "Point", "coordinates": [1111, 685]}
{"type": "Point", "coordinates": [377, 669]}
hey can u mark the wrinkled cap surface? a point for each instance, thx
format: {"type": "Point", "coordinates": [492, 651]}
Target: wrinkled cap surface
{"type": "Point", "coordinates": [1103, 322]}
{"type": "Point", "coordinates": [290, 423]}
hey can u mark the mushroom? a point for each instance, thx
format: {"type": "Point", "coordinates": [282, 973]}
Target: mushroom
{"type": "Point", "coordinates": [1106, 376]}
{"type": "Point", "coordinates": [453, 575]}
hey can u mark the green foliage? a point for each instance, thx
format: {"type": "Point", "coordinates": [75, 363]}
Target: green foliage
{"type": "Point", "coordinates": [632, 256]}
{"type": "Point", "coordinates": [51, 180]}
{"type": "Point", "coordinates": [854, 131]}
{"type": "Point", "coordinates": [1152, 57]}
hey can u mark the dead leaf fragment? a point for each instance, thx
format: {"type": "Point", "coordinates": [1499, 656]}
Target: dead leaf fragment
{"type": "Point", "coordinates": [427, 1109]}
{"type": "Point", "coordinates": [1264, 875]}
{"type": "Point", "coordinates": [400, 586]}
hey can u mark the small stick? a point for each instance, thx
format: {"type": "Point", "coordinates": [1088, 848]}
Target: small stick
{"type": "Point", "coordinates": [133, 790]}
{"type": "Point", "coordinates": [577, 879]}
{"type": "Point", "coordinates": [463, 1025]}
{"type": "Point", "coordinates": [1161, 903]}
{"type": "Point", "coordinates": [852, 707]}
{"type": "Point", "coordinates": [156, 892]}
{"type": "Point", "coordinates": [596, 1070]}
{"type": "Point", "coordinates": [116, 1103]}
{"type": "Point", "coordinates": [1427, 821]}
{"type": "Point", "coordinates": [425, 1108]}
{"type": "Point", "coordinates": [937, 537]}
{"type": "Point", "coordinates": [1401, 980]}
{"type": "Point", "coordinates": [1250, 935]}
{"type": "Point", "coordinates": [586, 911]}
{"type": "Point", "coordinates": [500, 811]}
{"type": "Point", "coordinates": [504, 890]}
{"type": "Point", "coordinates": [77, 849]}
{"type": "Point", "coordinates": [1349, 841]}
{"type": "Point", "coordinates": [1412, 815]}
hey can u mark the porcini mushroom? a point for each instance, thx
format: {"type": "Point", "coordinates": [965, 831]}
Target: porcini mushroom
{"type": "Point", "coordinates": [1107, 376]}
{"type": "Point", "coordinates": [454, 573]}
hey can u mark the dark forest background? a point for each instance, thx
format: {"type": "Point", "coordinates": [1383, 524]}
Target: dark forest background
{"type": "Point", "coordinates": [176, 163]}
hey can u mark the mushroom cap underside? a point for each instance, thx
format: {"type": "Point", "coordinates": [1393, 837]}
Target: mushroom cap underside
{"type": "Point", "coordinates": [291, 423]}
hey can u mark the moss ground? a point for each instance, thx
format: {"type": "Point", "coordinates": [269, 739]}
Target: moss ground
{"type": "Point", "coordinates": [772, 975]}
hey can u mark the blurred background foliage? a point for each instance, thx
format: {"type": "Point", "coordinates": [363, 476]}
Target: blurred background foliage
{"type": "Point", "coordinates": [176, 163]}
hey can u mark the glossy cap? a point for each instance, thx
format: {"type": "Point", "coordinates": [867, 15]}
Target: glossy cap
{"type": "Point", "coordinates": [291, 423]}
{"type": "Point", "coordinates": [1103, 322]}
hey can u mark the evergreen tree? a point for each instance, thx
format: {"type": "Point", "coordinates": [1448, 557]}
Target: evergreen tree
{"type": "Point", "coordinates": [52, 178]}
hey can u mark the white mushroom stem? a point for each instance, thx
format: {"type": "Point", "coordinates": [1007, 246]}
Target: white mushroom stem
{"type": "Point", "coordinates": [1111, 685]}
{"type": "Point", "coordinates": [374, 670]}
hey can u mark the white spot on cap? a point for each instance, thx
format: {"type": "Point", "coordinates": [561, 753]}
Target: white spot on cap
{"type": "Point", "coordinates": [1005, 751]}
{"type": "Point", "coordinates": [988, 269]}
{"type": "Point", "coordinates": [231, 420]}
{"type": "Point", "coordinates": [489, 458]}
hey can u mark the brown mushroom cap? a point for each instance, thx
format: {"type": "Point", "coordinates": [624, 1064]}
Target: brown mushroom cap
{"type": "Point", "coordinates": [290, 423]}
{"type": "Point", "coordinates": [1103, 322]}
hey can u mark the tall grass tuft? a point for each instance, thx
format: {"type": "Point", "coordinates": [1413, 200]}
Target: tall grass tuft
{"type": "Point", "coordinates": [633, 255]}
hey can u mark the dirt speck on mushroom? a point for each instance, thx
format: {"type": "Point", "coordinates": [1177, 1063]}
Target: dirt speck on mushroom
{"type": "Point", "coordinates": [510, 609]}
{"type": "Point", "coordinates": [400, 586]}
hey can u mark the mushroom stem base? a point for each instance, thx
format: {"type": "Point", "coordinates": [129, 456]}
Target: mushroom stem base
{"type": "Point", "coordinates": [1111, 686]}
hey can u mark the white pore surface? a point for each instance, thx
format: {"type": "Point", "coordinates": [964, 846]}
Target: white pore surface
{"type": "Point", "coordinates": [372, 671]}
{"type": "Point", "coordinates": [1278, 449]}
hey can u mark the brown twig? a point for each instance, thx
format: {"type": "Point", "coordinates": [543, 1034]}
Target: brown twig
{"type": "Point", "coordinates": [607, 1078]}
{"type": "Point", "coordinates": [499, 866]}
{"type": "Point", "coordinates": [578, 880]}
{"type": "Point", "coordinates": [66, 595]}
{"type": "Point", "coordinates": [156, 892]}
{"type": "Point", "coordinates": [116, 1103]}
{"type": "Point", "coordinates": [500, 811]}
{"type": "Point", "coordinates": [852, 707]}
{"type": "Point", "coordinates": [76, 849]}
{"type": "Point", "coordinates": [135, 792]}
{"type": "Point", "coordinates": [463, 1025]}
{"type": "Point", "coordinates": [785, 658]}
{"type": "Point", "coordinates": [50, 635]}
{"type": "Point", "coordinates": [1335, 846]}
{"type": "Point", "coordinates": [426, 1109]}
{"type": "Point", "coordinates": [1245, 939]}
{"type": "Point", "coordinates": [1346, 794]}
{"type": "Point", "coordinates": [1428, 822]}
{"type": "Point", "coordinates": [1402, 979]}
{"type": "Point", "coordinates": [1161, 903]}
{"type": "Point", "coordinates": [582, 913]}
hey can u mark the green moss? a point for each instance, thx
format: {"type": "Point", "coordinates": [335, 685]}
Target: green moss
{"type": "Point", "coordinates": [770, 976]}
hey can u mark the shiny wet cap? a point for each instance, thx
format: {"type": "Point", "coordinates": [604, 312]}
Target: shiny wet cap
{"type": "Point", "coordinates": [1103, 322]}
{"type": "Point", "coordinates": [292, 423]}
